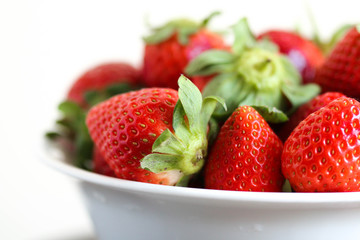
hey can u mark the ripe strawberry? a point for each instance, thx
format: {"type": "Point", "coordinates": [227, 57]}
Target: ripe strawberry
{"type": "Point", "coordinates": [104, 76]}
{"type": "Point", "coordinates": [100, 165]}
{"type": "Point", "coordinates": [323, 152]}
{"type": "Point", "coordinates": [305, 110]}
{"type": "Point", "coordinates": [246, 155]}
{"type": "Point", "coordinates": [150, 136]}
{"type": "Point", "coordinates": [171, 47]}
{"type": "Point", "coordinates": [340, 71]}
{"type": "Point", "coordinates": [303, 53]}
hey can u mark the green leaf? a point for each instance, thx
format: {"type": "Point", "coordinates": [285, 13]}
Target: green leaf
{"type": "Point", "coordinates": [52, 135]}
{"type": "Point", "coordinates": [157, 162]}
{"type": "Point", "coordinates": [191, 100]}
{"type": "Point", "coordinates": [210, 62]}
{"type": "Point", "coordinates": [167, 143]}
{"type": "Point", "coordinates": [298, 95]}
{"type": "Point", "coordinates": [185, 32]}
{"type": "Point", "coordinates": [160, 35]}
{"type": "Point", "coordinates": [230, 88]}
{"type": "Point", "coordinates": [286, 186]}
{"type": "Point", "coordinates": [290, 74]}
{"type": "Point", "coordinates": [74, 127]}
{"type": "Point", "coordinates": [244, 38]}
{"type": "Point", "coordinates": [206, 21]}
{"type": "Point", "coordinates": [184, 181]}
{"type": "Point", "coordinates": [180, 126]}
{"type": "Point", "coordinates": [267, 44]}
{"type": "Point", "coordinates": [214, 129]}
{"type": "Point", "coordinates": [70, 109]}
{"type": "Point", "coordinates": [93, 97]}
{"type": "Point", "coordinates": [271, 115]}
{"type": "Point", "coordinates": [209, 105]}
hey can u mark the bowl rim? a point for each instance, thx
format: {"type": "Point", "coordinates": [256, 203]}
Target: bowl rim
{"type": "Point", "coordinates": [332, 198]}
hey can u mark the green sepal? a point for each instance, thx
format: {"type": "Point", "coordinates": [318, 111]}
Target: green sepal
{"type": "Point", "coordinates": [298, 95]}
{"type": "Point", "coordinates": [52, 135]}
{"type": "Point", "coordinates": [209, 106]}
{"type": "Point", "coordinates": [214, 129]}
{"type": "Point", "coordinates": [167, 143]}
{"type": "Point", "coordinates": [286, 186]}
{"type": "Point", "coordinates": [184, 181]}
{"type": "Point", "coordinates": [228, 87]}
{"type": "Point", "coordinates": [206, 20]}
{"type": "Point", "coordinates": [180, 125]}
{"type": "Point", "coordinates": [186, 148]}
{"type": "Point", "coordinates": [254, 73]}
{"type": "Point", "coordinates": [191, 100]}
{"type": "Point", "coordinates": [73, 128]}
{"type": "Point", "coordinates": [271, 115]}
{"type": "Point", "coordinates": [244, 38]}
{"type": "Point", "coordinates": [158, 162]}
{"type": "Point", "coordinates": [183, 27]}
{"type": "Point", "coordinates": [210, 62]}
{"type": "Point", "coordinates": [93, 97]}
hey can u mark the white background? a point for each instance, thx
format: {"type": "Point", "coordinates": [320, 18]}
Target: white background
{"type": "Point", "coordinates": [45, 45]}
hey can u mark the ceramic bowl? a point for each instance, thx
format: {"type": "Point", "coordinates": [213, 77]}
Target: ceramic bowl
{"type": "Point", "coordinates": [122, 209]}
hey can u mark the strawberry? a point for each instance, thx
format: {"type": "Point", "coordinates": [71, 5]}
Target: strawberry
{"type": "Point", "coordinates": [303, 53]}
{"type": "Point", "coordinates": [171, 47]}
{"type": "Point", "coordinates": [95, 85]}
{"type": "Point", "coordinates": [322, 154]}
{"type": "Point", "coordinates": [150, 136]}
{"type": "Point", "coordinates": [100, 165]}
{"type": "Point", "coordinates": [246, 155]}
{"type": "Point", "coordinates": [254, 73]}
{"type": "Point", "coordinates": [340, 71]}
{"type": "Point", "coordinates": [305, 110]}
{"type": "Point", "coordinates": [115, 76]}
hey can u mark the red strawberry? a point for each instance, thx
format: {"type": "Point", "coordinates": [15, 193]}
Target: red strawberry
{"type": "Point", "coordinates": [144, 137]}
{"type": "Point", "coordinates": [340, 71]}
{"type": "Point", "coordinates": [323, 152]}
{"type": "Point", "coordinates": [172, 47]}
{"type": "Point", "coordinates": [101, 77]}
{"type": "Point", "coordinates": [306, 109]}
{"type": "Point", "coordinates": [246, 155]}
{"type": "Point", "coordinates": [100, 165]}
{"type": "Point", "coordinates": [303, 53]}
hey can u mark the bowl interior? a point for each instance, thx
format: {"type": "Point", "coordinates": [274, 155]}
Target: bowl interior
{"type": "Point", "coordinates": [55, 158]}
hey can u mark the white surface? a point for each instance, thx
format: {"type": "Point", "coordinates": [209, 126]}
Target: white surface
{"type": "Point", "coordinates": [45, 45]}
{"type": "Point", "coordinates": [124, 209]}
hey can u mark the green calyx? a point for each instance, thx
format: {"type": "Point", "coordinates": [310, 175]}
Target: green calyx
{"type": "Point", "coordinates": [93, 97]}
{"type": "Point", "coordinates": [72, 129]}
{"type": "Point", "coordinates": [254, 73]}
{"type": "Point", "coordinates": [184, 149]}
{"type": "Point", "coordinates": [183, 27]}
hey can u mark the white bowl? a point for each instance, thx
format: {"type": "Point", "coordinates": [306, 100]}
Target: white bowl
{"type": "Point", "coordinates": [122, 209]}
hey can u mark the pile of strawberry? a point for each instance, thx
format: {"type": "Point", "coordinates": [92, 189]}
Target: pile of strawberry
{"type": "Point", "coordinates": [204, 113]}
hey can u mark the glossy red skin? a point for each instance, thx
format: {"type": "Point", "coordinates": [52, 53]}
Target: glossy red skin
{"type": "Point", "coordinates": [125, 127]}
{"type": "Point", "coordinates": [323, 152]}
{"type": "Point", "coordinates": [100, 165]}
{"type": "Point", "coordinates": [305, 110]}
{"type": "Point", "coordinates": [165, 62]}
{"type": "Point", "coordinates": [341, 71]}
{"type": "Point", "coordinates": [246, 155]}
{"type": "Point", "coordinates": [303, 53]}
{"type": "Point", "coordinates": [101, 76]}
